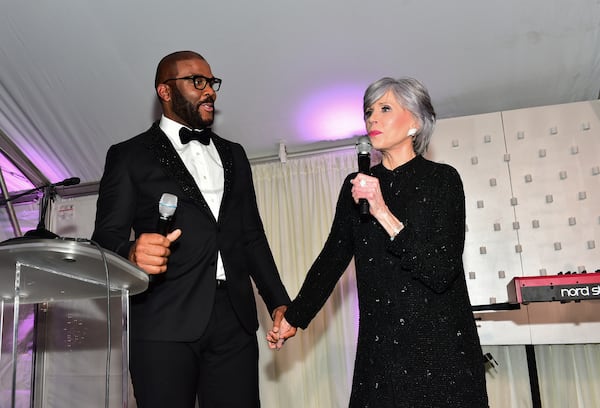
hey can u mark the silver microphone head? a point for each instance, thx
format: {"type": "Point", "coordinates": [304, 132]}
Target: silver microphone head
{"type": "Point", "coordinates": [167, 205]}
{"type": "Point", "coordinates": [363, 145]}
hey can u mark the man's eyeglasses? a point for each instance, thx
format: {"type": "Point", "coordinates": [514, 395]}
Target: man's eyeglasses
{"type": "Point", "coordinates": [200, 82]}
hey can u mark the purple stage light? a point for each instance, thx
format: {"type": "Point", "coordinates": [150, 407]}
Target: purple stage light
{"type": "Point", "coordinates": [333, 113]}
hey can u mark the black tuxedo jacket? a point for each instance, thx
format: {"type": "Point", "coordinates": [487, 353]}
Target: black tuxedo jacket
{"type": "Point", "coordinates": [177, 308]}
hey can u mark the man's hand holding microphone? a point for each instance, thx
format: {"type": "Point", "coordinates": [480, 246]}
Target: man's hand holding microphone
{"type": "Point", "coordinates": [151, 251]}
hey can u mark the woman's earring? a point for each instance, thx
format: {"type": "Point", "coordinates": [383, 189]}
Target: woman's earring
{"type": "Point", "coordinates": [412, 132]}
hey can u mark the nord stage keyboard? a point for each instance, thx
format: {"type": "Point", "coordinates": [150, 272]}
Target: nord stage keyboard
{"type": "Point", "coordinates": [563, 288]}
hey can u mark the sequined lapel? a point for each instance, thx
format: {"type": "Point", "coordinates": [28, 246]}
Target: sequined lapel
{"type": "Point", "coordinates": [172, 164]}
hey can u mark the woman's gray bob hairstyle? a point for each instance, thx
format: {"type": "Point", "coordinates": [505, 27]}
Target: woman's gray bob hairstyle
{"type": "Point", "coordinates": [412, 95]}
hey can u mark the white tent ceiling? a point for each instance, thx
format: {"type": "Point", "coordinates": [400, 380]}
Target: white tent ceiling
{"type": "Point", "coordinates": [77, 76]}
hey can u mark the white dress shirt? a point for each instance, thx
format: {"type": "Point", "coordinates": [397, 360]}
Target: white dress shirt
{"type": "Point", "coordinates": [204, 164]}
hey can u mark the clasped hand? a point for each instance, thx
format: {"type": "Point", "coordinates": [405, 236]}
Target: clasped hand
{"type": "Point", "coordinates": [281, 330]}
{"type": "Point", "coordinates": [367, 187]}
{"type": "Point", "coordinates": [151, 251]}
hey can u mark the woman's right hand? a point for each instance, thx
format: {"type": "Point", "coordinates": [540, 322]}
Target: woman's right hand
{"type": "Point", "coordinates": [367, 187]}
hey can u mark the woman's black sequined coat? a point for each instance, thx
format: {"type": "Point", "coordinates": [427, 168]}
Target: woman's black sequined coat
{"type": "Point", "coordinates": [417, 344]}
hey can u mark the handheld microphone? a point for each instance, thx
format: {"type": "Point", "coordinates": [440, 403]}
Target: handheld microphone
{"type": "Point", "coordinates": [363, 148]}
{"type": "Point", "coordinates": [166, 208]}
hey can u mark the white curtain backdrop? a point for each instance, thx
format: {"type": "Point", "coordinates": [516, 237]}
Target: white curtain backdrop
{"type": "Point", "coordinates": [297, 203]}
{"type": "Point", "coordinates": [569, 375]}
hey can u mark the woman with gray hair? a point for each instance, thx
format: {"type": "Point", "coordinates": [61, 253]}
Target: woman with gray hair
{"type": "Point", "coordinates": [417, 343]}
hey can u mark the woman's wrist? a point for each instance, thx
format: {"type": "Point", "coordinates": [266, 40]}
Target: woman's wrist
{"type": "Point", "coordinates": [390, 223]}
{"type": "Point", "coordinates": [397, 230]}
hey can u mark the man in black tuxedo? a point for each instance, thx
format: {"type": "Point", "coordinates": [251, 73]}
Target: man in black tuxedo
{"type": "Point", "coordinates": [193, 332]}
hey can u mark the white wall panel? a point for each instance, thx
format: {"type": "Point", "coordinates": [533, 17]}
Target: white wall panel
{"type": "Point", "coordinates": [555, 159]}
{"type": "Point", "coordinates": [475, 146]}
{"type": "Point", "coordinates": [74, 217]}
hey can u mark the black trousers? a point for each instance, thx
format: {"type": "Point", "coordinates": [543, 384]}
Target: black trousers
{"type": "Point", "coordinates": [220, 369]}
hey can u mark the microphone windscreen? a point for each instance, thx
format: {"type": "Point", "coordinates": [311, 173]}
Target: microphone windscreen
{"type": "Point", "coordinates": [363, 145]}
{"type": "Point", "coordinates": [167, 205]}
{"type": "Point", "coordinates": [67, 182]}
{"type": "Point", "coordinates": [71, 181]}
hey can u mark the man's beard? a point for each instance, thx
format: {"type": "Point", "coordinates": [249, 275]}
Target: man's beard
{"type": "Point", "coordinates": [188, 112]}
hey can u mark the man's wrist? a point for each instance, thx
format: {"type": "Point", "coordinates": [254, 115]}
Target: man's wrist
{"type": "Point", "coordinates": [281, 308]}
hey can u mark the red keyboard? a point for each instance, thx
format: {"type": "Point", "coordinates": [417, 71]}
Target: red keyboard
{"type": "Point", "coordinates": [563, 288]}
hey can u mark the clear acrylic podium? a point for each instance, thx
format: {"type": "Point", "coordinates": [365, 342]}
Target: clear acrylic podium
{"type": "Point", "coordinates": [37, 271]}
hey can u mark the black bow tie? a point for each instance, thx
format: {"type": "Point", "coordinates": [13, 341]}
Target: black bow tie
{"type": "Point", "coordinates": [203, 136]}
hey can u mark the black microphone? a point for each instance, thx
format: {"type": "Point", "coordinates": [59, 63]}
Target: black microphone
{"type": "Point", "coordinates": [363, 148]}
{"type": "Point", "coordinates": [68, 182]}
{"type": "Point", "coordinates": [166, 208]}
